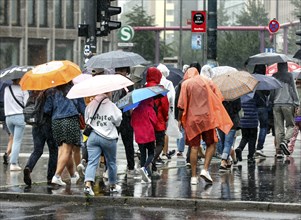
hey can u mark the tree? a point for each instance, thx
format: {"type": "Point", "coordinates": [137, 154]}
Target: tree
{"type": "Point", "coordinates": [144, 41]}
{"type": "Point", "coordinates": [235, 47]}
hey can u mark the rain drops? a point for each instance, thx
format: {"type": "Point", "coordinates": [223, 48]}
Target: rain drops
{"type": "Point", "coordinates": [52, 81]}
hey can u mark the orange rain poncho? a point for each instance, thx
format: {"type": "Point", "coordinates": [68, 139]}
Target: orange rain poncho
{"type": "Point", "coordinates": [201, 102]}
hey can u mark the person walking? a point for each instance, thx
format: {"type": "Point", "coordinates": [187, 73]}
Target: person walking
{"type": "Point", "coordinates": [226, 140]}
{"type": "Point", "coordinates": [125, 128]}
{"type": "Point", "coordinates": [201, 117]}
{"type": "Point", "coordinates": [14, 102]}
{"type": "Point", "coordinates": [248, 124]}
{"type": "Point", "coordinates": [161, 106]}
{"type": "Point", "coordinates": [263, 106]}
{"type": "Point", "coordinates": [103, 139]}
{"type": "Point", "coordinates": [41, 133]}
{"type": "Point", "coordinates": [64, 114]}
{"type": "Point", "coordinates": [285, 100]}
{"type": "Point", "coordinates": [143, 122]}
{"type": "Point", "coordinates": [171, 99]}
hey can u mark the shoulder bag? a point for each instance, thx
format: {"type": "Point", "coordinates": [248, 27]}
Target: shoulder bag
{"type": "Point", "coordinates": [88, 129]}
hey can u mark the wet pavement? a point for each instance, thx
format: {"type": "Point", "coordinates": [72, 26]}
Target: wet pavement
{"type": "Point", "coordinates": [267, 183]}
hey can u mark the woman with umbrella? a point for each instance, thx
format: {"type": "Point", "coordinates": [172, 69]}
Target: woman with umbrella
{"type": "Point", "coordinates": [14, 102]}
{"type": "Point", "coordinates": [65, 126]}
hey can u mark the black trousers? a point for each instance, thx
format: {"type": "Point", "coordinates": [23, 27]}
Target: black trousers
{"type": "Point", "coordinates": [160, 137]}
{"type": "Point", "coordinates": [249, 136]}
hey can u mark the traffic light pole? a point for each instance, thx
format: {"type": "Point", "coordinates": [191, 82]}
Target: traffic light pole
{"type": "Point", "coordinates": [212, 30]}
{"type": "Point", "coordinates": [90, 19]}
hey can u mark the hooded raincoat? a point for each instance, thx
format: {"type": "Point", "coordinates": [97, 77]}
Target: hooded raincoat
{"type": "Point", "coordinates": [161, 105]}
{"type": "Point", "coordinates": [201, 102]}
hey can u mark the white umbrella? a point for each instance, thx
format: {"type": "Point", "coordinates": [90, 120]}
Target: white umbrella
{"type": "Point", "coordinates": [219, 70]}
{"type": "Point", "coordinates": [97, 85]}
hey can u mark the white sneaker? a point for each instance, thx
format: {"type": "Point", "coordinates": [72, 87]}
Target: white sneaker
{"type": "Point", "coordinates": [260, 153]}
{"type": "Point", "coordinates": [194, 180]}
{"type": "Point", "coordinates": [74, 178]}
{"type": "Point", "coordinates": [106, 174]}
{"type": "Point", "coordinates": [81, 170]}
{"type": "Point", "coordinates": [58, 181]}
{"type": "Point", "coordinates": [114, 189]}
{"type": "Point", "coordinates": [206, 176]}
{"type": "Point", "coordinates": [144, 175]}
{"type": "Point", "coordinates": [88, 191]}
{"type": "Point", "coordinates": [15, 167]}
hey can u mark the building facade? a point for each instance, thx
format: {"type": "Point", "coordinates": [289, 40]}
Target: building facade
{"type": "Point", "coordinates": [33, 32]}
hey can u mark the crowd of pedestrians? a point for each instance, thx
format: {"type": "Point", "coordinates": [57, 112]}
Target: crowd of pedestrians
{"type": "Point", "coordinates": [206, 122]}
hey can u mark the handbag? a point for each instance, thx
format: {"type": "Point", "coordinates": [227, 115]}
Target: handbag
{"type": "Point", "coordinates": [82, 123]}
{"type": "Point", "coordinates": [88, 128]}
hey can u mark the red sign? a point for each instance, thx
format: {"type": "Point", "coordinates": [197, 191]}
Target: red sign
{"type": "Point", "coordinates": [274, 26]}
{"type": "Point", "coordinates": [198, 21]}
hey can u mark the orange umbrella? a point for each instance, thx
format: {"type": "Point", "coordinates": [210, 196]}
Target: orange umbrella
{"type": "Point", "coordinates": [48, 75]}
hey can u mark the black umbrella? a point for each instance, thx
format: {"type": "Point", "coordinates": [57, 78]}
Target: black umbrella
{"type": "Point", "coordinates": [298, 55]}
{"type": "Point", "coordinates": [175, 75]}
{"type": "Point", "coordinates": [14, 72]}
{"type": "Point", "coordinates": [266, 58]}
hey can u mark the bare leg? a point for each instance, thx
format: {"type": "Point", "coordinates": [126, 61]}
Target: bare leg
{"type": "Point", "coordinates": [76, 155]}
{"type": "Point", "coordinates": [165, 148]}
{"type": "Point", "coordinates": [194, 159]}
{"type": "Point", "coordinates": [208, 155]}
{"type": "Point", "coordinates": [9, 144]}
{"type": "Point", "coordinates": [65, 154]}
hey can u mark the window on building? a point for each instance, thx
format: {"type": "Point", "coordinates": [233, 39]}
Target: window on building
{"type": "Point", "coordinates": [9, 52]}
{"type": "Point", "coordinates": [3, 12]}
{"type": "Point", "coordinates": [70, 13]}
{"type": "Point", "coordinates": [31, 12]}
{"type": "Point", "coordinates": [15, 12]}
{"type": "Point", "coordinates": [169, 12]}
{"type": "Point", "coordinates": [63, 50]}
{"type": "Point", "coordinates": [58, 13]}
{"type": "Point", "coordinates": [43, 13]}
{"type": "Point", "coordinates": [37, 51]}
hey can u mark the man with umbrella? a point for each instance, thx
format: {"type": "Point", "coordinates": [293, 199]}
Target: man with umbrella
{"type": "Point", "coordinates": [125, 128]}
{"type": "Point", "coordinates": [285, 100]}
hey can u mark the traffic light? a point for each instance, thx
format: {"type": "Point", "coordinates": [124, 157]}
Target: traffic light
{"type": "Point", "coordinates": [104, 13]}
{"type": "Point", "coordinates": [298, 41]}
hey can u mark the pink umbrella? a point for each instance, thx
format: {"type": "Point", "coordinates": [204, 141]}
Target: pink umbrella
{"type": "Point", "coordinates": [273, 68]}
{"type": "Point", "coordinates": [81, 77]}
{"type": "Point", "coordinates": [98, 84]}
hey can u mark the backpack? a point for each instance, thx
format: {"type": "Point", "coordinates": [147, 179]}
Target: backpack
{"type": "Point", "coordinates": [33, 110]}
{"type": "Point", "coordinates": [2, 114]}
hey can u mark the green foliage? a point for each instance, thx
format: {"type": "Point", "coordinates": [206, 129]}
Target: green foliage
{"type": "Point", "coordinates": [144, 41]}
{"type": "Point", "coordinates": [234, 47]}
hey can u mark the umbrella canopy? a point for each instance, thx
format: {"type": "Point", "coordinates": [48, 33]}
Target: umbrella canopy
{"type": "Point", "coordinates": [14, 72]}
{"type": "Point", "coordinates": [115, 59]}
{"type": "Point", "coordinates": [97, 85]}
{"type": "Point", "coordinates": [219, 70]}
{"type": "Point", "coordinates": [235, 84]}
{"type": "Point", "coordinates": [266, 58]}
{"type": "Point", "coordinates": [132, 99]}
{"type": "Point", "coordinates": [298, 54]}
{"type": "Point", "coordinates": [175, 75]}
{"type": "Point", "coordinates": [273, 68]}
{"type": "Point", "coordinates": [81, 78]}
{"type": "Point", "coordinates": [137, 73]}
{"type": "Point", "coordinates": [48, 75]}
{"type": "Point", "coordinates": [266, 82]}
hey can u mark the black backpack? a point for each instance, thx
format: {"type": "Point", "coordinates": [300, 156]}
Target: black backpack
{"type": "Point", "coordinates": [33, 110]}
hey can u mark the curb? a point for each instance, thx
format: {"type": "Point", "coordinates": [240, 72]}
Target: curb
{"type": "Point", "coordinates": [196, 204]}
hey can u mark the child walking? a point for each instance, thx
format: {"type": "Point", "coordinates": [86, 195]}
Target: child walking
{"type": "Point", "coordinates": [143, 121]}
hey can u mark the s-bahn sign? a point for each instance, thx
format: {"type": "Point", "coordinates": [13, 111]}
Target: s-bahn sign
{"type": "Point", "coordinates": [198, 21]}
{"type": "Point", "coordinates": [126, 33]}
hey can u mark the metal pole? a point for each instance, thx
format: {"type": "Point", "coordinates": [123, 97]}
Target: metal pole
{"type": "Point", "coordinates": [212, 29]}
{"type": "Point", "coordinates": [90, 19]}
{"type": "Point", "coordinates": [180, 38]}
{"type": "Point", "coordinates": [164, 26]}
{"type": "Point", "coordinates": [157, 47]}
{"type": "Point", "coordinates": [204, 36]}
{"type": "Point", "coordinates": [275, 34]}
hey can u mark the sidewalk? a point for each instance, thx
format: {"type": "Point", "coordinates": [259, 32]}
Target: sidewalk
{"type": "Point", "coordinates": [267, 185]}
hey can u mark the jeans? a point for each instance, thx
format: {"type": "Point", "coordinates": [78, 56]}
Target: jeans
{"type": "Point", "coordinates": [226, 142]}
{"type": "Point", "coordinates": [42, 134]}
{"type": "Point", "coordinates": [263, 117]}
{"type": "Point", "coordinates": [16, 126]}
{"type": "Point", "coordinates": [181, 141]}
{"type": "Point", "coordinates": [283, 114]}
{"type": "Point", "coordinates": [249, 136]}
{"type": "Point", "coordinates": [97, 144]}
{"type": "Point", "coordinates": [150, 148]}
